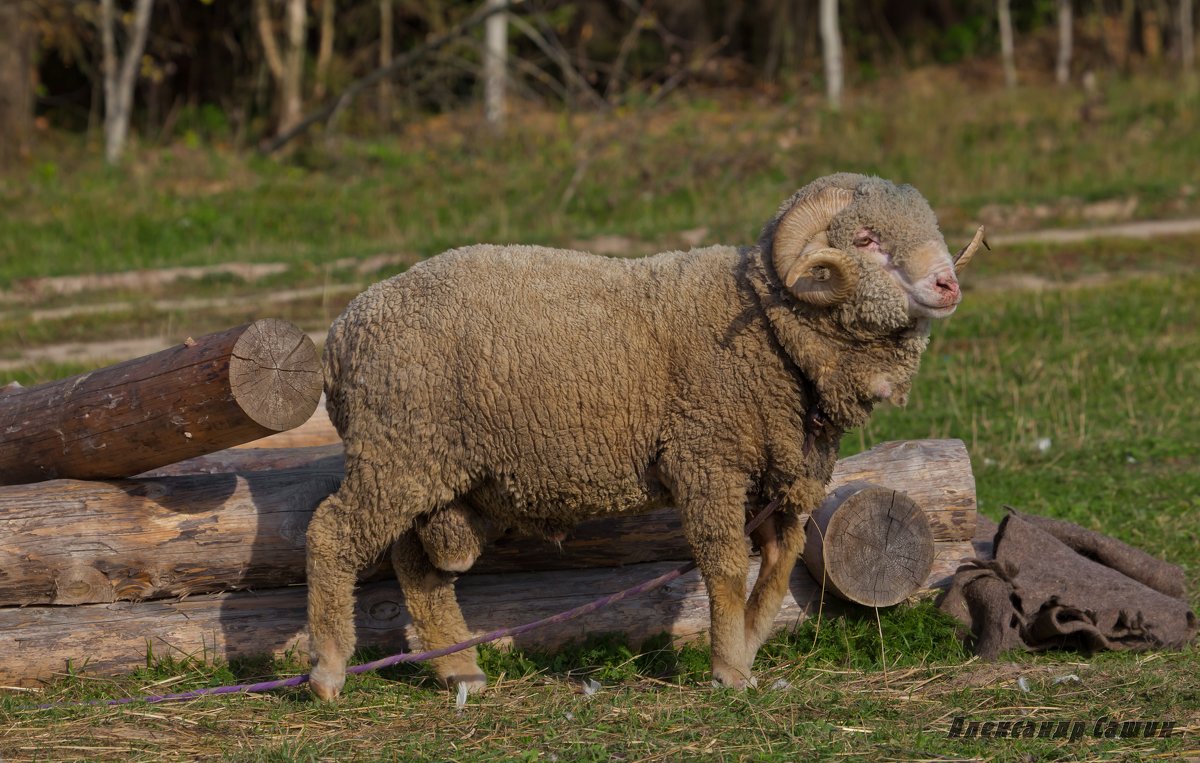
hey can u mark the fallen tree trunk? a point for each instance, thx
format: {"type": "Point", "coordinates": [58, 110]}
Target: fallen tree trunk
{"type": "Point", "coordinates": [198, 397]}
{"type": "Point", "coordinates": [868, 544]}
{"type": "Point", "coordinates": [74, 542]}
{"type": "Point", "coordinates": [37, 643]}
{"type": "Point", "coordinates": [242, 460]}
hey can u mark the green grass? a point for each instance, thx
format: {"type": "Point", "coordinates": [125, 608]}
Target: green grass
{"type": "Point", "coordinates": [1099, 365]}
{"type": "Point", "coordinates": [1104, 378]}
{"type": "Point", "coordinates": [646, 175]}
{"type": "Point", "coordinates": [827, 697]}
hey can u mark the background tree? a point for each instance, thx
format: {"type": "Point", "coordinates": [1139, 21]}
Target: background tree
{"type": "Point", "coordinates": [120, 74]}
{"type": "Point", "coordinates": [1062, 67]}
{"type": "Point", "coordinates": [386, 23]}
{"type": "Point", "coordinates": [495, 65]}
{"type": "Point", "coordinates": [831, 47]}
{"type": "Point", "coordinates": [233, 70]}
{"type": "Point", "coordinates": [1004, 19]}
{"type": "Point", "coordinates": [325, 48]}
{"type": "Point", "coordinates": [287, 67]}
{"type": "Point", "coordinates": [16, 82]}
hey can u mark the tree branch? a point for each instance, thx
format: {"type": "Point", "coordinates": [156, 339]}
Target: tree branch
{"type": "Point", "coordinates": [335, 105]}
{"type": "Point", "coordinates": [559, 56]}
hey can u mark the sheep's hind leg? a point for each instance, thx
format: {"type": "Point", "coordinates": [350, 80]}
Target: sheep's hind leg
{"type": "Point", "coordinates": [429, 596]}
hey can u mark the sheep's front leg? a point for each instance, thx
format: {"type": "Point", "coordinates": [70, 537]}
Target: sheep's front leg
{"type": "Point", "coordinates": [779, 540]}
{"type": "Point", "coordinates": [429, 596]}
{"type": "Point", "coordinates": [712, 519]}
{"type": "Point", "coordinates": [337, 549]}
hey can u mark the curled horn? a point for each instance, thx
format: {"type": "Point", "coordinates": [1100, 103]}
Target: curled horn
{"type": "Point", "coordinates": [967, 252]}
{"type": "Point", "coordinates": [814, 271]}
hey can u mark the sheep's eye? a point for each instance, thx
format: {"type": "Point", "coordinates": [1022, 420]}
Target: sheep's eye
{"type": "Point", "coordinates": [863, 241]}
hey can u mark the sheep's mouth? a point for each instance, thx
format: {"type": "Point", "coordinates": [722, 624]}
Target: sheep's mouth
{"type": "Point", "coordinates": [921, 309]}
{"type": "Point", "coordinates": [925, 301]}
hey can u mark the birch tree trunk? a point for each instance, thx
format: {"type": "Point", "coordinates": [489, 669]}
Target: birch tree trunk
{"type": "Point", "coordinates": [1004, 16]}
{"type": "Point", "coordinates": [286, 65]}
{"type": "Point", "coordinates": [1062, 70]}
{"type": "Point", "coordinates": [495, 64]}
{"type": "Point", "coordinates": [292, 102]}
{"type": "Point", "coordinates": [266, 33]}
{"type": "Point", "coordinates": [325, 50]}
{"type": "Point", "coordinates": [120, 74]}
{"type": "Point", "coordinates": [831, 46]}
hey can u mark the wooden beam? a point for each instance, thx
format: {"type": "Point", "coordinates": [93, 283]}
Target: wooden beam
{"type": "Point", "coordinates": [73, 542]}
{"type": "Point", "coordinates": [197, 397]}
{"type": "Point", "coordinates": [37, 643]}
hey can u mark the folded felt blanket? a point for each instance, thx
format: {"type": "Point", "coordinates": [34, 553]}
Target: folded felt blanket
{"type": "Point", "coordinates": [1055, 584]}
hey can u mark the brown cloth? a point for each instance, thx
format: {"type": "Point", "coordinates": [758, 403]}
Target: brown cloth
{"type": "Point", "coordinates": [1055, 584]}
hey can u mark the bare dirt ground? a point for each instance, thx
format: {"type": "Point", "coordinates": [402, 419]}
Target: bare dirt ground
{"type": "Point", "coordinates": [110, 351]}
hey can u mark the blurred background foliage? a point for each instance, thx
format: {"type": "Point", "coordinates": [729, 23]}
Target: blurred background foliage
{"type": "Point", "coordinates": [206, 72]}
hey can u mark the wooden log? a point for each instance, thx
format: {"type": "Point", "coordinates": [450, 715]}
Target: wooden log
{"type": "Point", "coordinates": [870, 545]}
{"type": "Point", "coordinates": [71, 542]}
{"type": "Point", "coordinates": [241, 460]}
{"type": "Point", "coordinates": [37, 643]}
{"type": "Point", "coordinates": [198, 397]}
{"type": "Point", "coordinates": [318, 430]}
{"type": "Point", "coordinates": [143, 539]}
{"type": "Point", "coordinates": [936, 474]}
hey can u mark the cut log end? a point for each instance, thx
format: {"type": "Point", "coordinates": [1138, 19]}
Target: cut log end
{"type": "Point", "coordinates": [275, 374]}
{"type": "Point", "coordinates": [197, 397]}
{"type": "Point", "coordinates": [871, 545]}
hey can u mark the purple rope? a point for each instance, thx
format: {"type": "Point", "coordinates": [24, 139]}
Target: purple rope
{"type": "Point", "coordinates": [396, 659]}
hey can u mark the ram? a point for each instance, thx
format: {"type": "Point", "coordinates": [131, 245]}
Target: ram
{"type": "Point", "coordinates": [520, 388]}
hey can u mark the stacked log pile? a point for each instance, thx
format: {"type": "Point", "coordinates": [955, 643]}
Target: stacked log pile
{"type": "Point", "coordinates": [203, 557]}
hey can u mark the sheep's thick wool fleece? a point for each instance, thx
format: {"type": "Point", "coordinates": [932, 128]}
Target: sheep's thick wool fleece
{"type": "Point", "coordinates": [552, 382]}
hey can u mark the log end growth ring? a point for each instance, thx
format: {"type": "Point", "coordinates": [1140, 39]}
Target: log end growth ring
{"type": "Point", "coordinates": [871, 544]}
{"type": "Point", "coordinates": [275, 374]}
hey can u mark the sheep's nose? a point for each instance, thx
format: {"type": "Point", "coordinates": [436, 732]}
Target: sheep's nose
{"type": "Point", "coordinates": [947, 287]}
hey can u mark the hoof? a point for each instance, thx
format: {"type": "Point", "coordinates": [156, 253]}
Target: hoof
{"type": "Point", "coordinates": [474, 683]}
{"type": "Point", "coordinates": [732, 679]}
{"type": "Point", "coordinates": [325, 687]}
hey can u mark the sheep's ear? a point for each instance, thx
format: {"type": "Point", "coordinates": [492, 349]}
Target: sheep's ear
{"type": "Point", "coordinates": [803, 259]}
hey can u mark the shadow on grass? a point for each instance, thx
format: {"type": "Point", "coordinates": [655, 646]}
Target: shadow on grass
{"type": "Point", "coordinates": [603, 657]}
{"type": "Point", "coordinates": [912, 635]}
